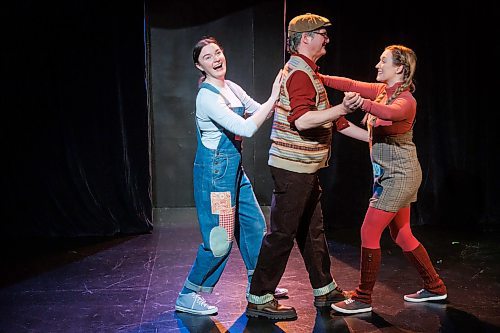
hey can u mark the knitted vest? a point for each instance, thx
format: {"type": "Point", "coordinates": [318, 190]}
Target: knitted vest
{"type": "Point", "coordinates": [306, 151]}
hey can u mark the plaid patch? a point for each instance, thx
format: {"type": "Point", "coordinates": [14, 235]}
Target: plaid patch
{"type": "Point", "coordinates": [226, 220]}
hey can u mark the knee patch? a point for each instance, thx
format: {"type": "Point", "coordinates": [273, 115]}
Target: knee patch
{"type": "Point", "coordinates": [219, 242]}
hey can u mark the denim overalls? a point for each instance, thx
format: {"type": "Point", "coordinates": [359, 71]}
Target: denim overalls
{"type": "Point", "coordinates": [227, 208]}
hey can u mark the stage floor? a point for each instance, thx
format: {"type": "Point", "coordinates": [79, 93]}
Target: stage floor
{"type": "Point", "coordinates": [129, 284]}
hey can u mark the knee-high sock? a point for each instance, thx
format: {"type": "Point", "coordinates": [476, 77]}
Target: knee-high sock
{"type": "Point", "coordinates": [369, 267]}
{"type": "Point", "coordinates": [420, 259]}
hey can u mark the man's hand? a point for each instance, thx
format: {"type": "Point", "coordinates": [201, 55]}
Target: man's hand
{"type": "Point", "coordinates": [352, 101]}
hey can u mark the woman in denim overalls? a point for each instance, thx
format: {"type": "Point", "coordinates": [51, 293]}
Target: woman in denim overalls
{"type": "Point", "coordinates": [223, 194]}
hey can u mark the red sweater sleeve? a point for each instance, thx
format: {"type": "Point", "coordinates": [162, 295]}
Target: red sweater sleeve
{"type": "Point", "coordinates": [341, 123]}
{"type": "Point", "coordinates": [403, 108]}
{"type": "Point", "coordinates": [365, 89]}
{"type": "Point", "coordinates": [302, 95]}
{"type": "Point", "coordinates": [303, 99]}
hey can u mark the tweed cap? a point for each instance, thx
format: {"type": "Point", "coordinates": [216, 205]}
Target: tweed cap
{"type": "Point", "coordinates": [307, 22]}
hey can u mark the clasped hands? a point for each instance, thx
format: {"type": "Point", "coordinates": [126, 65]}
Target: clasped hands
{"type": "Point", "coordinates": [352, 101]}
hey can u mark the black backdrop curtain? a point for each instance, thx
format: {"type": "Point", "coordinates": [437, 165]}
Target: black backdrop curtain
{"type": "Point", "coordinates": [455, 131]}
{"type": "Point", "coordinates": [75, 109]}
{"type": "Point", "coordinates": [76, 126]}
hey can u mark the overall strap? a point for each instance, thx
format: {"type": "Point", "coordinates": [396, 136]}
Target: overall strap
{"type": "Point", "coordinates": [238, 110]}
{"type": "Point", "coordinates": [210, 87]}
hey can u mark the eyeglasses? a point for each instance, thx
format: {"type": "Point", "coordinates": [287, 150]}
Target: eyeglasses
{"type": "Point", "coordinates": [324, 34]}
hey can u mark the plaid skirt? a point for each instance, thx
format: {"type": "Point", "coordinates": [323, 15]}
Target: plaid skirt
{"type": "Point", "coordinates": [396, 172]}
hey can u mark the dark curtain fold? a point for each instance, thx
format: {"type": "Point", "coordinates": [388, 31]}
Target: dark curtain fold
{"type": "Point", "coordinates": [78, 151]}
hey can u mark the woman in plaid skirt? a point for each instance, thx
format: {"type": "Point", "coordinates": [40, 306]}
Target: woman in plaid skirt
{"type": "Point", "coordinates": [390, 114]}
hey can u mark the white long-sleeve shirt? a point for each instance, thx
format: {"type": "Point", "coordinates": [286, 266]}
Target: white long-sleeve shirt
{"type": "Point", "coordinates": [213, 113]}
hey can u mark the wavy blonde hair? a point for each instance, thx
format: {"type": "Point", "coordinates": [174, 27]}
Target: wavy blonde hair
{"type": "Point", "coordinates": [401, 55]}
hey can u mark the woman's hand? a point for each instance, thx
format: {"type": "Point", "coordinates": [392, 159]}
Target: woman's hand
{"type": "Point", "coordinates": [275, 93]}
{"type": "Point", "coordinates": [352, 101]}
{"type": "Point", "coordinates": [279, 105]}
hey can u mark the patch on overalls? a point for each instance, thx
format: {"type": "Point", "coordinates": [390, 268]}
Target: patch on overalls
{"type": "Point", "coordinates": [220, 202]}
{"type": "Point", "coordinates": [226, 221]}
{"type": "Point", "coordinates": [378, 171]}
{"type": "Point", "coordinates": [219, 244]}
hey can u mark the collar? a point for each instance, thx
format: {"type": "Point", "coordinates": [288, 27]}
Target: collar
{"type": "Point", "coordinates": [392, 89]}
{"type": "Point", "coordinates": [311, 63]}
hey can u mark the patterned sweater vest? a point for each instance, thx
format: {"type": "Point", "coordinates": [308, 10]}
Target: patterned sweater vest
{"type": "Point", "coordinates": [306, 151]}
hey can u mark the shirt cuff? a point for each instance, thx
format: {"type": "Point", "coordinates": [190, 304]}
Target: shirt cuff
{"type": "Point", "coordinates": [341, 123]}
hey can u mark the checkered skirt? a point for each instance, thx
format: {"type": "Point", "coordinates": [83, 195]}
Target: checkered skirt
{"type": "Point", "coordinates": [401, 173]}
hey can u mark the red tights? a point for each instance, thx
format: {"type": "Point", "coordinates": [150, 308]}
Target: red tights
{"type": "Point", "coordinates": [377, 220]}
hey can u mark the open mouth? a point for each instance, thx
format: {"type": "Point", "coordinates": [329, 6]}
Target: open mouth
{"type": "Point", "coordinates": [218, 67]}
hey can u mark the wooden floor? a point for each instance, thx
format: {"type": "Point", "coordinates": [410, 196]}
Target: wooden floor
{"type": "Point", "coordinates": [129, 284]}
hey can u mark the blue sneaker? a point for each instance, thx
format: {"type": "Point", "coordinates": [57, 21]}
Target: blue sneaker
{"type": "Point", "coordinates": [424, 295]}
{"type": "Point", "coordinates": [194, 304]}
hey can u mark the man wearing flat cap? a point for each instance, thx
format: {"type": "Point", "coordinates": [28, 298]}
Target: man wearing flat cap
{"type": "Point", "coordinates": [301, 141]}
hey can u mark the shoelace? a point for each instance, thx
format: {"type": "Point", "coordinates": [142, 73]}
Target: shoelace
{"type": "Point", "coordinates": [200, 300]}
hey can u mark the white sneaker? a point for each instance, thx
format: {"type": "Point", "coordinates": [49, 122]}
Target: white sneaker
{"type": "Point", "coordinates": [280, 292]}
{"type": "Point", "coordinates": [195, 304]}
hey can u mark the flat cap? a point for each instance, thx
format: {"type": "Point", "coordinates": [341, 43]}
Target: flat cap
{"type": "Point", "coordinates": [307, 22]}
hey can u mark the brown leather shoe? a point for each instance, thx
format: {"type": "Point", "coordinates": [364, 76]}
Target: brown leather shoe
{"type": "Point", "coordinates": [334, 296]}
{"type": "Point", "coordinates": [271, 310]}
